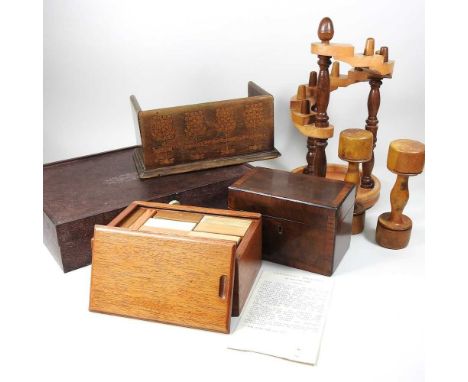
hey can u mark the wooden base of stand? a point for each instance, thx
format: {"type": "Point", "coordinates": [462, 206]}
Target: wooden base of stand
{"type": "Point", "coordinates": [390, 235]}
{"type": "Point", "coordinates": [366, 197]}
{"type": "Point", "coordinates": [359, 219]}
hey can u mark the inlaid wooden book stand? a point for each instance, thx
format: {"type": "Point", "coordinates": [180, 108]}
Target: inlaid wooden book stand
{"type": "Point", "coordinates": [309, 106]}
{"type": "Point", "coordinates": [207, 135]}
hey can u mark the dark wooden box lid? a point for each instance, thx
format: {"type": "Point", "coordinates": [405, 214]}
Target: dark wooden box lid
{"type": "Point", "coordinates": [282, 194]}
{"type": "Point", "coordinates": [88, 186]}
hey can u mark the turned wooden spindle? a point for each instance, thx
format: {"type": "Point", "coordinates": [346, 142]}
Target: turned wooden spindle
{"type": "Point", "coordinates": [405, 158]}
{"type": "Point", "coordinates": [384, 52]}
{"type": "Point", "coordinates": [316, 157]}
{"type": "Point", "coordinates": [335, 70]}
{"type": "Point", "coordinates": [302, 96]}
{"type": "Point", "coordinates": [372, 125]}
{"type": "Point", "coordinates": [313, 79]}
{"type": "Point", "coordinates": [369, 48]}
{"type": "Point", "coordinates": [355, 146]}
{"type": "Point", "coordinates": [325, 34]}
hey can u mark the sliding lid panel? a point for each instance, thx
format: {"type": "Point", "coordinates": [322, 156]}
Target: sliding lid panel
{"type": "Point", "coordinates": [178, 280]}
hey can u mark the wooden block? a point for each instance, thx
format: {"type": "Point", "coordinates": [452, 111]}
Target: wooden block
{"type": "Point", "coordinates": [143, 218]}
{"type": "Point", "coordinates": [340, 82]}
{"type": "Point", "coordinates": [179, 216]}
{"type": "Point", "coordinates": [295, 104]}
{"type": "Point", "coordinates": [169, 224]}
{"type": "Point", "coordinates": [332, 50]}
{"type": "Point", "coordinates": [358, 75]}
{"type": "Point", "coordinates": [216, 236]}
{"type": "Point", "coordinates": [223, 225]}
{"type": "Point", "coordinates": [361, 61]}
{"type": "Point", "coordinates": [173, 232]}
{"type": "Point", "coordinates": [81, 192]}
{"type": "Point", "coordinates": [384, 69]}
{"type": "Point", "coordinates": [132, 217]}
{"type": "Point", "coordinates": [314, 131]}
{"type": "Point", "coordinates": [302, 119]}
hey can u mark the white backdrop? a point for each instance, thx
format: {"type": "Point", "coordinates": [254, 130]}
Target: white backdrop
{"type": "Point", "coordinates": [97, 53]}
{"type": "Point", "coordinates": [168, 53]}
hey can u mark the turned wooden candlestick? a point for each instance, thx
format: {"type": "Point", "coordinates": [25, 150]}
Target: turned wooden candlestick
{"type": "Point", "coordinates": [355, 146]}
{"type": "Point", "coordinates": [405, 158]}
{"type": "Point", "coordinates": [372, 125]}
{"type": "Point", "coordinates": [373, 104]}
{"type": "Point", "coordinates": [316, 157]}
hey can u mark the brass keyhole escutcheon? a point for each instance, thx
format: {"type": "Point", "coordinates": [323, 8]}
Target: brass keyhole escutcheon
{"type": "Point", "coordinates": [280, 229]}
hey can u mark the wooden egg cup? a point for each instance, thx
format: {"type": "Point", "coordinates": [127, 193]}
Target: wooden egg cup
{"type": "Point", "coordinates": [367, 197]}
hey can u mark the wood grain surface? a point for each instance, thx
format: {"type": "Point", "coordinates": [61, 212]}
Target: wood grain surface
{"type": "Point", "coordinates": [306, 219]}
{"type": "Point", "coordinates": [147, 249]}
{"type": "Point", "coordinates": [213, 134]}
{"type": "Point", "coordinates": [183, 281]}
{"type": "Point", "coordinates": [223, 225]}
{"type": "Point", "coordinates": [81, 192]}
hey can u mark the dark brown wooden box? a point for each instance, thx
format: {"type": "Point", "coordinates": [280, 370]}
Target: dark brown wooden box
{"type": "Point", "coordinates": [82, 192]}
{"type": "Point", "coordinates": [306, 219]}
{"type": "Point", "coordinates": [169, 276]}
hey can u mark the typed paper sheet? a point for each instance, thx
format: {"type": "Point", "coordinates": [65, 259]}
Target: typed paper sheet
{"type": "Point", "coordinates": [284, 315]}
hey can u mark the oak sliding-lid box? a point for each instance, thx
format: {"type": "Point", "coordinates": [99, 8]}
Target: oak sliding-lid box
{"type": "Point", "coordinates": [184, 265]}
{"type": "Point", "coordinates": [306, 219]}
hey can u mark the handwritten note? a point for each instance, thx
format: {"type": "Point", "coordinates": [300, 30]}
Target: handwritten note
{"type": "Point", "coordinates": [284, 315]}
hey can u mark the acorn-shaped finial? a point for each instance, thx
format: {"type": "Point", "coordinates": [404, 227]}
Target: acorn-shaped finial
{"type": "Point", "coordinates": [325, 30]}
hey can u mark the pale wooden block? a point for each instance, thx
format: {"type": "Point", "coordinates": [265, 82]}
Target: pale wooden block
{"type": "Point", "coordinates": [384, 69]}
{"type": "Point", "coordinates": [340, 82]}
{"type": "Point", "coordinates": [302, 119]}
{"type": "Point", "coordinates": [168, 224]}
{"type": "Point", "coordinates": [332, 50]}
{"type": "Point", "coordinates": [223, 225]}
{"type": "Point", "coordinates": [358, 75]}
{"type": "Point", "coordinates": [179, 216]}
{"type": "Point", "coordinates": [217, 236]}
{"type": "Point", "coordinates": [314, 131]}
{"type": "Point", "coordinates": [361, 61]}
{"type": "Point", "coordinates": [173, 232]}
